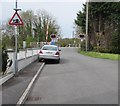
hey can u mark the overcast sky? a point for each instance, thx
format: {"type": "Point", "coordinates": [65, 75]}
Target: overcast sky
{"type": "Point", "coordinates": [64, 11]}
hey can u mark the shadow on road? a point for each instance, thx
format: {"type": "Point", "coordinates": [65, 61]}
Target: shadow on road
{"type": "Point", "coordinates": [62, 61]}
{"type": "Point", "coordinates": [50, 62]}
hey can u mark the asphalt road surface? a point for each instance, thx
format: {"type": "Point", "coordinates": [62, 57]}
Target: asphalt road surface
{"type": "Point", "coordinates": [77, 79]}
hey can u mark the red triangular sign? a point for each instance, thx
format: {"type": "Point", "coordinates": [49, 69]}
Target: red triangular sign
{"type": "Point", "coordinates": [16, 20]}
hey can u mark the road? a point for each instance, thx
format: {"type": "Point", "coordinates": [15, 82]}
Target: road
{"type": "Point", "coordinates": [77, 79]}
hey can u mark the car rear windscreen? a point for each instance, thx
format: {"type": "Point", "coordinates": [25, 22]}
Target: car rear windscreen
{"type": "Point", "coordinates": [49, 48]}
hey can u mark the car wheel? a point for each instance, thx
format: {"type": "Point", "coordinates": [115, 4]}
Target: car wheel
{"type": "Point", "coordinates": [39, 59]}
{"type": "Point", "coordinates": [58, 61]}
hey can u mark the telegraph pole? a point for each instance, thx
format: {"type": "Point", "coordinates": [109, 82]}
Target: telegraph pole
{"type": "Point", "coordinates": [87, 25]}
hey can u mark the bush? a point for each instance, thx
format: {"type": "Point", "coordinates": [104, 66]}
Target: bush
{"type": "Point", "coordinates": [4, 59]}
{"type": "Point", "coordinates": [115, 46]}
{"type": "Point", "coordinates": [101, 49]}
{"type": "Point", "coordinates": [83, 46]}
{"type": "Point", "coordinates": [115, 50]}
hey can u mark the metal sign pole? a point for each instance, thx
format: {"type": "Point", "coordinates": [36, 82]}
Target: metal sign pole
{"type": "Point", "coordinates": [16, 44]}
{"type": "Point", "coordinates": [16, 61]}
{"type": "Point", "coordinates": [16, 20]}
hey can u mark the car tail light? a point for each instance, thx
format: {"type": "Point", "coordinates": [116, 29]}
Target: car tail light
{"type": "Point", "coordinates": [41, 52]}
{"type": "Point", "coordinates": [57, 53]}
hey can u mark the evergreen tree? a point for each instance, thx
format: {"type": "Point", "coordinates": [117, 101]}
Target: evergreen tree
{"type": "Point", "coordinates": [104, 22]}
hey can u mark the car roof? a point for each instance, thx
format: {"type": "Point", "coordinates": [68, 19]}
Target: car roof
{"type": "Point", "coordinates": [51, 45]}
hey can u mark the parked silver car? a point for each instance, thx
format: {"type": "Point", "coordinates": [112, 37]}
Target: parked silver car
{"type": "Point", "coordinates": [49, 52]}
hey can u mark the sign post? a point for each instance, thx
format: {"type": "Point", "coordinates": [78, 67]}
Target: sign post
{"type": "Point", "coordinates": [15, 54]}
{"type": "Point", "coordinates": [16, 20]}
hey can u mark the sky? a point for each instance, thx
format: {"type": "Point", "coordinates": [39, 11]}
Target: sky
{"type": "Point", "coordinates": [64, 11]}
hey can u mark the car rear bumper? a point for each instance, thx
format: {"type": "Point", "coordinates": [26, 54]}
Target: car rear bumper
{"type": "Point", "coordinates": [49, 57]}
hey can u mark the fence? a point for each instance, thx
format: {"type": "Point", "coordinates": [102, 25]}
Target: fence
{"type": "Point", "coordinates": [25, 57]}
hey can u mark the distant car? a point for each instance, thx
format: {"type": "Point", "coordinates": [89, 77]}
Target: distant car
{"type": "Point", "coordinates": [49, 52]}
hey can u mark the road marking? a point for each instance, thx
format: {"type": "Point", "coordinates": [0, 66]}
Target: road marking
{"type": "Point", "coordinates": [27, 91]}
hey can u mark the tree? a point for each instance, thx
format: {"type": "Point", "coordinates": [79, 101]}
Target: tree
{"type": "Point", "coordinates": [104, 21]}
{"type": "Point", "coordinates": [80, 21]}
{"type": "Point", "coordinates": [38, 24]}
{"type": "Point", "coordinates": [27, 17]}
{"type": "Point", "coordinates": [44, 22]}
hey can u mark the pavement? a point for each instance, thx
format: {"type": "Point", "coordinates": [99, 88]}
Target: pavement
{"type": "Point", "coordinates": [14, 88]}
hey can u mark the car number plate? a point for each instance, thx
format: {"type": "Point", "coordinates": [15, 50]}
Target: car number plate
{"type": "Point", "coordinates": [49, 52]}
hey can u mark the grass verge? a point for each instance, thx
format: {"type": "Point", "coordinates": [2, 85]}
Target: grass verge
{"type": "Point", "coordinates": [101, 55]}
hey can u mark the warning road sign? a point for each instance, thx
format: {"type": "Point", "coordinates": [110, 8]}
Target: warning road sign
{"type": "Point", "coordinates": [16, 20]}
